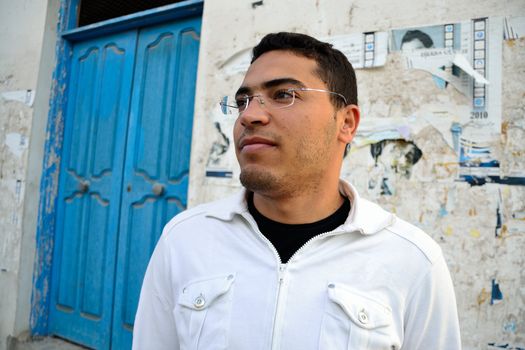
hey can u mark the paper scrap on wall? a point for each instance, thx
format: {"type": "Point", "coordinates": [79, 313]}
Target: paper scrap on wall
{"type": "Point", "coordinates": [238, 63]}
{"type": "Point", "coordinates": [27, 97]}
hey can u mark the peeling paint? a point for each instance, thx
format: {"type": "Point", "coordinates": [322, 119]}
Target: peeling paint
{"type": "Point", "coordinates": [498, 228]}
{"type": "Point", "coordinates": [509, 327]}
{"type": "Point", "coordinates": [474, 233]}
{"type": "Point", "coordinates": [49, 185]}
{"type": "Point", "coordinates": [496, 295]}
{"type": "Point", "coordinates": [483, 296]}
{"type": "Point", "coordinates": [16, 143]}
{"type": "Point", "coordinates": [443, 211]}
{"type": "Point", "coordinates": [504, 346]}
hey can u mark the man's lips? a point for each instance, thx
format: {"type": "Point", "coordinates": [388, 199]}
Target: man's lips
{"type": "Point", "coordinates": [254, 143]}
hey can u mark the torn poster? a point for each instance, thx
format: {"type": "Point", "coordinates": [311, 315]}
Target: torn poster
{"type": "Point", "coordinates": [221, 162]}
{"type": "Point", "coordinates": [441, 50]}
{"type": "Point", "coordinates": [375, 129]}
{"type": "Point", "coordinates": [372, 130]}
{"type": "Point", "coordinates": [363, 50]}
{"type": "Point", "coordinates": [392, 158]}
{"type": "Point", "coordinates": [468, 56]}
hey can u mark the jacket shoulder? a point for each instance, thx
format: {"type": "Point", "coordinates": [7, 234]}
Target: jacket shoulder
{"type": "Point", "coordinates": [201, 213]}
{"type": "Point", "coordinates": [416, 237]}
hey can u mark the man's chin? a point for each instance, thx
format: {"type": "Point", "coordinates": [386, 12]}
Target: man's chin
{"type": "Point", "coordinates": [258, 181]}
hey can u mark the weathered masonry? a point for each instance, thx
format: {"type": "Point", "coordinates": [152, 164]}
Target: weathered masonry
{"type": "Point", "coordinates": [110, 125]}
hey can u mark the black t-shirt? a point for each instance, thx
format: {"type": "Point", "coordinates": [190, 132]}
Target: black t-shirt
{"type": "Point", "coordinates": [288, 238]}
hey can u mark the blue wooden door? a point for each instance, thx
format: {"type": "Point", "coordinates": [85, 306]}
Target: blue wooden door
{"type": "Point", "coordinates": [124, 174]}
{"type": "Point", "coordinates": [90, 189]}
{"type": "Point", "coordinates": [157, 162]}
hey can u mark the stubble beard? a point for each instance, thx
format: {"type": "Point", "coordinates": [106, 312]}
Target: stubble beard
{"type": "Point", "coordinates": [303, 178]}
{"type": "Point", "coordinates": [258, 181]}
{"type": "Point", "coordinates": [267, 181]}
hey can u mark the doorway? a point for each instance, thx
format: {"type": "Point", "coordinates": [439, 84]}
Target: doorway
{"type": "Point", "coordinates": [123, 174]}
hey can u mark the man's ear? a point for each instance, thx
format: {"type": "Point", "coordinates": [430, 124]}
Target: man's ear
{"type": "Point", "coordinates": [350, 115]}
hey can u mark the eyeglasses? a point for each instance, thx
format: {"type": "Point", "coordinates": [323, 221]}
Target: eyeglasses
{"type": "Point", "coordinates": [272, 99]}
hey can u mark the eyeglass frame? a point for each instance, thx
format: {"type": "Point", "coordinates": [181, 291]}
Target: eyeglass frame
{"type": "Point", "coordinates": [225, 106]}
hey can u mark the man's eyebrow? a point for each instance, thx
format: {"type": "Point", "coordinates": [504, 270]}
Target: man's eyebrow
{"type": "Point", "coordinates": [245, 90]}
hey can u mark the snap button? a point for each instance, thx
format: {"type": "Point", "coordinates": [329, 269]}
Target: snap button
{"type": "Point", "coordinates": [362, 316]}
{"type": "Point", "coordinates": [199, 302]}
{"type": "Point", "coordinates": [230, 277]}
{"type": "Point", "coordinates": [331, 285]}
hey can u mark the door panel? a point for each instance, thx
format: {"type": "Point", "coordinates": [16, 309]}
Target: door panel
{"type": "Point", "coordinates": [90, 189]}
{"type": "Point", "coordinates": [95, 263]}
{"type": "Point", "coordinates": [157, 158]}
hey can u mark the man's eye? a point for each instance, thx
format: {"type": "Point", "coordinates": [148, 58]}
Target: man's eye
{"type": "Point", "coordinates": [241, 102]}
{"type": "Point", "coordinates": [283, 95]}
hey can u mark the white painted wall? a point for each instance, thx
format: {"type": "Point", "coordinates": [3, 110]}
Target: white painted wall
{"type": "Point", "coordinates": [24, 42]}
{"type": "Point", "coordinates": [461, 218]}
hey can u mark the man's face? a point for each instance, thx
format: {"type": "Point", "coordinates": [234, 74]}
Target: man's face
{"type": "Point", "coordinates": [281, 151]}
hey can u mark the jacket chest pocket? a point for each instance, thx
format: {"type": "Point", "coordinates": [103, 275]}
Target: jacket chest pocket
{"type": "Point", "coordinates": [353, 321]}
{"type": "Point", "coordinates": [202, 313]}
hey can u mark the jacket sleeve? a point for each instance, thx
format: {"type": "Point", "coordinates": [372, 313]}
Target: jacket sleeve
{"type": "Point", "coordinates": [154, 323]}
{"type": "Point", "coordinates": [431, 319]}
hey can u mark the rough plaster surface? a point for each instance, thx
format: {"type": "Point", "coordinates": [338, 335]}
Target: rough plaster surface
{"type": "Point", "coordinates": [21, 32]}
{"type": "Point", "coordinates": [461, 218]}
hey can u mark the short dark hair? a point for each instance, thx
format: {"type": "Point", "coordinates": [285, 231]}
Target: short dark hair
{"type": "Point", "coordinates": [333, 67]}
{"type": "Point", "coordinates": [425, 39]}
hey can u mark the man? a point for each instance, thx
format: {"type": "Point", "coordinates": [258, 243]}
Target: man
{"type": "Point", "coordinates": [297, 260]}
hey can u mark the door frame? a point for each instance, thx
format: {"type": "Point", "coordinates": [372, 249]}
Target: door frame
{"type": "Point", "coordinates": [67, 34]}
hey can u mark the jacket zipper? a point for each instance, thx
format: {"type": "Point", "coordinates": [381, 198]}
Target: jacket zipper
{"type": "Point", "coordinates": [278, 317]}
{"type": "Point", "coordinates": [277, 321]}
{"type": "Point", "coordinates": [275, 343]}
{"type": "Point", "coordinates": [319, 236]}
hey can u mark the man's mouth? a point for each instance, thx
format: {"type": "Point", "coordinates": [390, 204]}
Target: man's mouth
{"type": "Point", "coordinates": [255, 143]}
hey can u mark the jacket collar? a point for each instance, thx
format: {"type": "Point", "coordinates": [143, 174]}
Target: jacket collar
{"type": "Point", "coordinates": [365, 216]}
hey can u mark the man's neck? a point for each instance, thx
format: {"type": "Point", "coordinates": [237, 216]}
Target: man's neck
{"type": "Point", "coordinates": [302, 207]}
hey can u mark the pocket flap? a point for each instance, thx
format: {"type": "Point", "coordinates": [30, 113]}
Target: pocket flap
{"type": "Point", "coordinates": [199, 294]}
{"type": "Point", "coordinates": [362, 310]}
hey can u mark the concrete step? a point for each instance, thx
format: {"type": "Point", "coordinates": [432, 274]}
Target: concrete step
{"type": "Point", "coordinates": [44, 343]}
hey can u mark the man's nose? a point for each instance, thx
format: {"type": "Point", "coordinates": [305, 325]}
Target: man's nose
{"type": "Point", "coordinates": [255, 113]}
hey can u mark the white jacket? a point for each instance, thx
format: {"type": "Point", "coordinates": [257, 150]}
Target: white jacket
{"type": "Point", "coordinates": [215, 282]}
